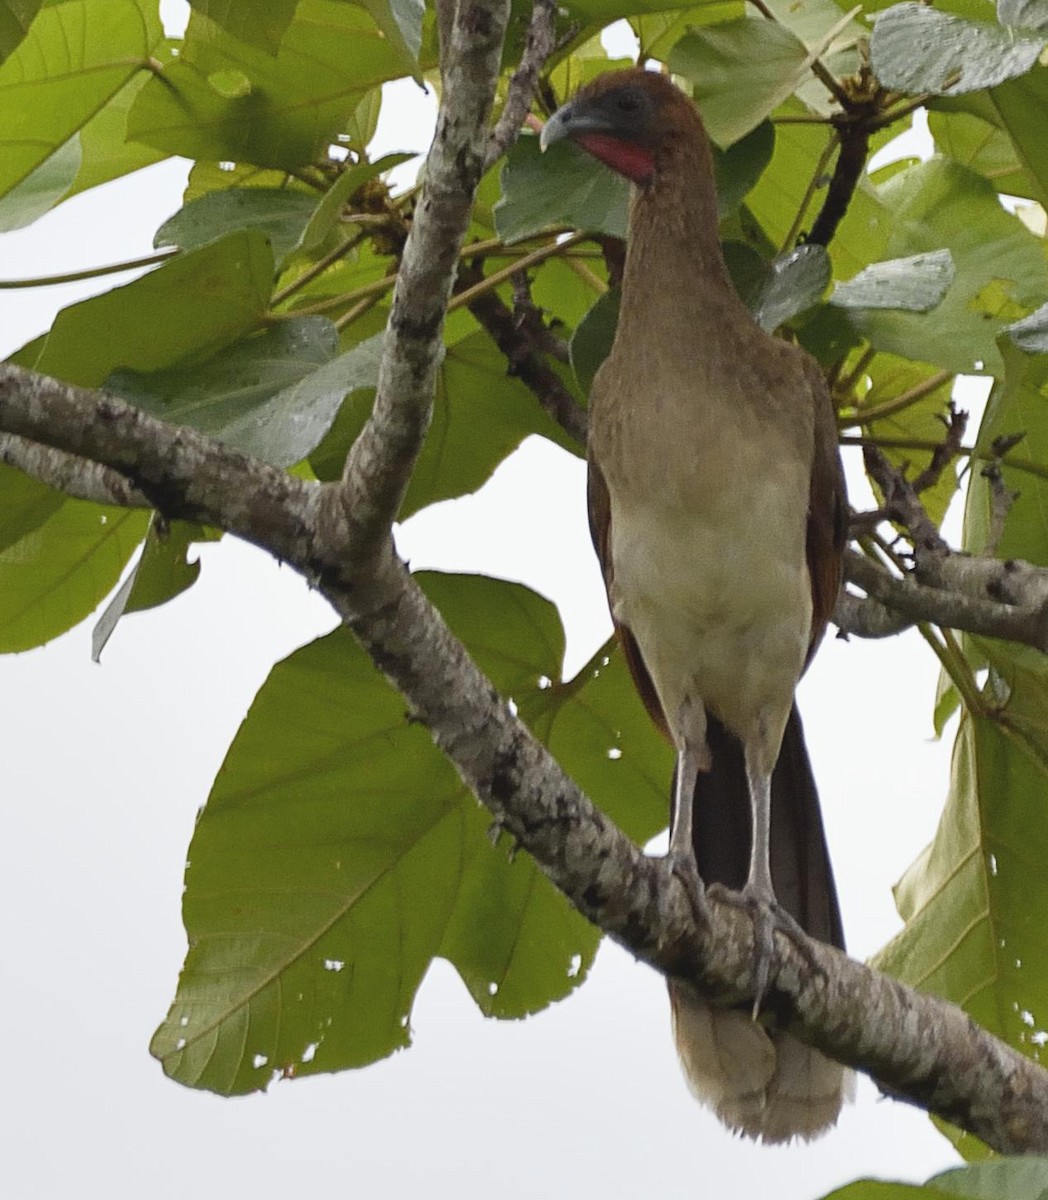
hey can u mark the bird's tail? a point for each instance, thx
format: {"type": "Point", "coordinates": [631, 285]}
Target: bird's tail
{"type": "Point", "coordinates": [760, 1082]}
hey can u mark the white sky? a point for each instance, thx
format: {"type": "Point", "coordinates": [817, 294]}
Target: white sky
{"type": "Point", "coordinates": [107, 766]}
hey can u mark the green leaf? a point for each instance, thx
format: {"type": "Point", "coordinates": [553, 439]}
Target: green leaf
{"type": "Point", "coordinates": [1021, 106]}
{"type": "Point", "coordinates": [891, 379]}
{"type": "Point", "coordinates": [401, 23]}
{"type": "Point", "coordinates": [916, 49]}
{"type": "Point", "coordinates": [76, 57]}
{"type": "Point", "coordinates": [282, 214]}
{"type": "Point", "coordinates": [273, 395]}
{"type": "Point", "coordinates": [15, 18]}
{"type": "Point", "coordinates": [25, 505]}
{"type": "Point", "coordinates": [796, 281]}
{"type": "Point", "coordinates": [1002, 1179]}
{"type": "Point", "coordinates": [603, 11]}
{"type": "Point", "coordinates": [593, 338]}
{"type": "Point", "coordinates": [980, 144]}
{"type": "Point", "coordinates": [42, 189]}
{"type": "Point", "coordinates": [917, 283]}
{"type": "Point", "coordinates": [883, 1189]}
{"type": "Point", "coordinates": [999, 268]}
{"type": "Point", "coordinates": [298, 101]}
{"type": "Point", "coordinates": [737, 169]}
{"type": "Point", "coordinates": [162, 572]}
{"type": "Point", "coordinates": [480, 416]}
{"type": "Point", "coordinates": [338, 854]}
{"type": "Point", "coordinates": [564, 186]}
{"type": "Point", "coordinates": [742, 71]}
{"type": "Point", "coordinates": [106, 151]}
{"type": "Point", "coordinates": [193, 304]}
{"type": "Point", "coordinates": [58, 571]}
{"type": "Point", "coordinates": [260, 23]}
{"type": "Point", "coordinates": [973, 911]}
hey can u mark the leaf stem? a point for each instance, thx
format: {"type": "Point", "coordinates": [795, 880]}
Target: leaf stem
{"type": "Point", "coordinates": [318, 268]}
{"type": "Point", "coordinates": [865, 416]}
{"type": "Point", "coordinates": [150, 260]}
{"type": "Point", "coordinates": [505, 273]}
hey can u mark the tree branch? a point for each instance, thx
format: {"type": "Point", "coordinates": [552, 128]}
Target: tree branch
{"type": "Point", "coordinates": [75, 476]}
{"type": "Point", "coordinates": [538, 46]}
{"type": "Point", "coordinates": [516, 339]}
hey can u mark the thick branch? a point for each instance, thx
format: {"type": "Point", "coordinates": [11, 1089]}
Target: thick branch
{"type": "Point", "coordinates": [177, 471]}
{"type": "Point", "coordinates": [963, 599]}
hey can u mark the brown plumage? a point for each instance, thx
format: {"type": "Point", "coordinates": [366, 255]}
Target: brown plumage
{"type": "Point", "coordinates": [717, 508]}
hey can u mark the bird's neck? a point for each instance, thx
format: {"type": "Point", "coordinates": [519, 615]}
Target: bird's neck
{"type": "Point", "coordinates": [675, 269]}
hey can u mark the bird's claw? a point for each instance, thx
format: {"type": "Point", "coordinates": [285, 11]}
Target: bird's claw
{"type": "Point", "coordinates": [768, 916]}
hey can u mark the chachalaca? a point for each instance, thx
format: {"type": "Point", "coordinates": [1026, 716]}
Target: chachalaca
{"type": "Point", "coordinates": [717, 507]}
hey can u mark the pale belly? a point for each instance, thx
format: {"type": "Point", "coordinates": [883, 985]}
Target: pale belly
{"type": "Point", "coordinates": [720, 606]}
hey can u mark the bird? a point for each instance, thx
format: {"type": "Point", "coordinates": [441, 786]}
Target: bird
{"type": "Point", "coordinates": [718, 511]}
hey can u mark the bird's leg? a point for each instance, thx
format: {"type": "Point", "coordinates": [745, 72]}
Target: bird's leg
{"type": "Point", "coordinates": [757, 895]}
{"type": "Point", "coordinates": [693, 756]}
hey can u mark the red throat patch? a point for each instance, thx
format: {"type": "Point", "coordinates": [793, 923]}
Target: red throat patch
{"type": "Point", "coordinates": [629, 159]}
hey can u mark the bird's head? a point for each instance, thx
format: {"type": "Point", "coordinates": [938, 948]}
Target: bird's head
{"type": "Point", "coordinates": [627, 119]}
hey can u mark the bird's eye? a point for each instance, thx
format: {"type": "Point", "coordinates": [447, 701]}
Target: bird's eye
{"type": "Point", "coordinates": [627, 102]}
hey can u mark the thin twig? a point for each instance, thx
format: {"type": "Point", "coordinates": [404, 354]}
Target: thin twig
{"type": "Point", "coordinates": [538, 46]}
{"type": "Point", "coordinates": [867, 415]}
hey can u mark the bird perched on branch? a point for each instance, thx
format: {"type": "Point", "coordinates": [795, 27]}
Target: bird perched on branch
{"type": "Point", "coordinates": [717, 508]}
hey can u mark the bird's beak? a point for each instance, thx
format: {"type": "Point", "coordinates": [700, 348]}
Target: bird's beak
{"type": "Point", "coordinates": [558, 127]}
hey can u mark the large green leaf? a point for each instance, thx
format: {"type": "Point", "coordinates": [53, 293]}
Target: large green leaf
{"type": "Point", "coordinates": [480, 416]}
{"type": "Point", "coordinates": [917, 49]}
{"type": "Point", "coordinates": [25, 505]}
{"type": "Point", "coordinates": [282, 214]}
{"type": "Point", "coordinates": [162, 572]}
{"type": "Point", "coordinates": [15, 18]}
{"type": "Point", "coordinates": [106, 151]}
{"type": "Point", "coordinates": [42, 188]}
{"type": "Point", "coordinates": [976, 142]}
{"type": "Point", "coordinates": [564, 186]}
{"type": "Point", "coordinates": [193, 304]}
{"type": "Point", "coordinates": [1017, 110]}
{"type": "Point", "coordinates": [1001, 1179]}
{"type": "Point", "coordinates": [742, 71]}
{"type": "Point", "coordinates": [57, 572]}
{"type": "Point", "coordinates": [273, 395]}
{"type": "Point", "coordinates": [261, 23]}
{"type": "Point", "coordinates": [915, 284]}
{"type": "Point", "coordinates": [338, 854]}
{"type": "Point", "coordinates": [401, 25]}
{"type": "Point", "coordinates": [226, 100]}
{"type": "Point", "coordinates": [75, 58]}
{"type": "Point", "coordinates": [1000, 268]}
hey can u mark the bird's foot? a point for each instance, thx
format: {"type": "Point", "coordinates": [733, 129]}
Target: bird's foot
{"type": "Point", "coordinates": [768, 916]}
